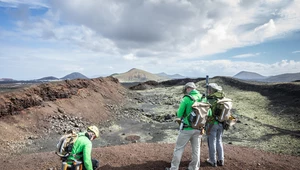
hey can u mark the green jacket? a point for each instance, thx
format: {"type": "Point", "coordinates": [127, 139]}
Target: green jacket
{"type": "Point", "coordinates": [82, 150]}
{"type": "Point", "coordinates": [185, 107]}
{"type": "Point", "coordinates": [212, 99]}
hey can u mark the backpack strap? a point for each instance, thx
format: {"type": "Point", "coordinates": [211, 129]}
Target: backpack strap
{"type": "Point", "coordinates": [193, 99]}
{"type": "Point", "coordinates": [190, 96]}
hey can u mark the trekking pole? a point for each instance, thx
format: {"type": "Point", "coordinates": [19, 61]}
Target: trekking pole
{"type": "Point", "coordinates": [202, 134]}
{"type": "Point", "coordinates": [206, 92]}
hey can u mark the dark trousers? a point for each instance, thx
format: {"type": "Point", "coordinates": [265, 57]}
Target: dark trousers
{"type": "Point", "coordinates": [95, 164]}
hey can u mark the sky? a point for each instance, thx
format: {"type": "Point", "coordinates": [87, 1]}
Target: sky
{"type": "Point", "coordinates": [193, 38]}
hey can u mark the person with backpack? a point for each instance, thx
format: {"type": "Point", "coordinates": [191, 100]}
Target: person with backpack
{"type": "Point", "coordinates": [187, 133]}
{"type": "Point", "coordinates": [82, 149]}
{"type": "Point", "coordinates": [214, 128]}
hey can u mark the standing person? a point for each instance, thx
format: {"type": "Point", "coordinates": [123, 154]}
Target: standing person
{"type": "Point", "coordinates": [82, 148]}
{"type": "Point", "coordinates": [187, 133]}
{"type": "Point", "coordinates": [214, 129]}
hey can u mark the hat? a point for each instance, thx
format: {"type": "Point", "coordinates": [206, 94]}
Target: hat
{"type": "Point", "coordinates": [95, 130]}
{"type": "Point", "coordinates": [190, 84]}
{"type": "Point", "coordinates": [215, 86]}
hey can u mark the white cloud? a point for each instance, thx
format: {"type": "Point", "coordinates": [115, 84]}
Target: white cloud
{"type": "Point", "coordinates": [266, 30]}
{"type": "Point", "coordinates": [246, 55]}
{"type": "Point", "coordinates": [295, 52]}
{"type": "Point", "coordinates": [72, 68]}
{"type": "Point", "coordinates": [130, 57]}
{"type": "Point", "coordinates": [201, 68]}
{"type": "Point", "coordinates": [30, 3]}
{"type": "Point", "coordinates": [153, 34]}
{"type": "Point", "coordinates": [186, 28]}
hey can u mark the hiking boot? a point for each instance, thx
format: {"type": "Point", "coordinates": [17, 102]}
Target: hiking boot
{"type": "Point", "coordinates": [211, 163]}
{"type": "Point", "coordinates": [220, 163]}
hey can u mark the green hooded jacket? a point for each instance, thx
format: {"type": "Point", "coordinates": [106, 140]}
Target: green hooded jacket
{"type": "Point", "coordinates": [212, 99]}
{"type": "Point", "coordinates": [82, 148]}
{"type": "Point", "coordinates": [185, 107]}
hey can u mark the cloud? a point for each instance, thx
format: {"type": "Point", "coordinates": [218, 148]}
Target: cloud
{"type": "Point", "coordinates": [246, 55]}
{"type": "Point", "coordinates": [294, 52]}
{"type": "Point", "coordinates": [130, 57]}
{"type": "Point", "coordinates": [265, 31]}
{"type": "Point", "coordinates": [184, 28]}
{"type": "Point", "coordinates": [35, 4]}
{"type": "Point", "coordinates": [151, 34]}
{"type": "Point", "coordinates": [201, 68]}
{"type": "Point", "coordinates": [72, 68]}
{"type": "Point", "coordinates": [189, 28]}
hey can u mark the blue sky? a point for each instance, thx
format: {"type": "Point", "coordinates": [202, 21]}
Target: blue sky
{"type": "Point", "coordinates": [41, 38]}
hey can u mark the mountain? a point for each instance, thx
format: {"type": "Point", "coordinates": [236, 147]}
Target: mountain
{"type": "Point", "coordinates": [97, 76]}
{"type": "Point", "coordinates": [288, 77]}
{"type": "Point", "coordinates": [6, 79]}
{"type": "Point", "coordinates": [74, 75]}
{"type": "Point", "coordinates": [49, 78]}
{"type": "Point", "coordinates": [245, 75]}
{"type": "Point", "coordinates": [174, 76]}
{"type": "Point", "coordinates": [137, 75]}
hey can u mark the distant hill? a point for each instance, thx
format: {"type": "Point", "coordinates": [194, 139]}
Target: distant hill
{"type": "Point", "coordinates": [288, 77]}
{"type": "Point", "coordinates": [137, 75]}
{"type": "Point", "coordinates": [174, 76]}
{"type": "Point", "coordinates": [6, 79]}
{"type": "Point", "coordinates": [245, 75]}
{"type": "Point", "coordinates": [74, 75]}
{"type": "Point", "coordinates": [49, 78]}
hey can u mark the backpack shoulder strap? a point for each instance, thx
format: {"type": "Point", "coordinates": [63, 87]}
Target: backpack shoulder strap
{"type": "Point", "coordinates": [190, 96]}
{"type": "Point", "coordinates": [222, 100]}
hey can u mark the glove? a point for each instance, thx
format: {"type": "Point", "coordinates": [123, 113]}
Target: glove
{"type": "Point", "coordinates": [226, 126]}
{"type": "Point", "coordinates": [178, 120]}
{"type": "Point", "coordinates": [202, 132]}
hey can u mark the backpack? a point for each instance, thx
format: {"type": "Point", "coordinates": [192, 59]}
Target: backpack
{"type": "Point", "coordinates": [198, 116]}
{"type": "Point", "coordinates": [223, 113]}
{"type": "Point", "coordinates": [65, 144]}
{"type": "Point", "coordinates": [223, 110]}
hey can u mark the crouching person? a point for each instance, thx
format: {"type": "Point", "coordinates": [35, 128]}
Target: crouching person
{"type": "Point", "coordinates": [82, 149]}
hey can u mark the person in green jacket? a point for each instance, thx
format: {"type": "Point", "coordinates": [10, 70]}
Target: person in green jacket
{"type": "Point", "coordinates": [82, 149]}
{"type": "Point", "coordinates": [214, 129]}
{"type": "Point", "coordinates": [187, 133]}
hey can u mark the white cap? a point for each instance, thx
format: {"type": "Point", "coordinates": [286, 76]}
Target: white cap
{"type": "Point", "coordinates": [215, 86]}
{"type": "Point", "coordinates": [191, 85]}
